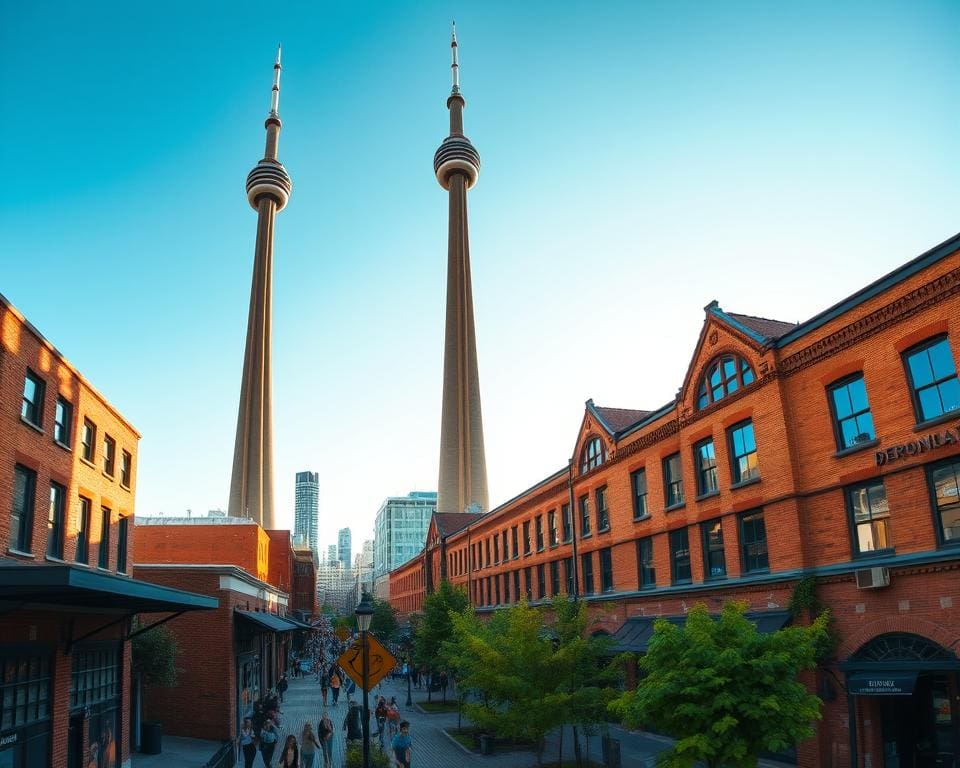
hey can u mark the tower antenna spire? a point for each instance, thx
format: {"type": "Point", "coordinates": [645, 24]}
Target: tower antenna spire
{"type": "Point", "coordinates": [275, 97]}
{"type": "Point", "coordinates": [455, 65]}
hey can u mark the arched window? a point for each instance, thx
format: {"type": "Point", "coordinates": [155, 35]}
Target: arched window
{"type": "Point", "coordinates": [593, 455]}
{"type": "Point", "coordinates": [724, 376]}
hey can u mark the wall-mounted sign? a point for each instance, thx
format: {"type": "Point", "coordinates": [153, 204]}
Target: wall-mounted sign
{"type": "Point", "coordinates": [8, 739]}
{"type": "Point", "coordinates": [881, 683]}
{"type": "Point", "coordinates": [919, 446]}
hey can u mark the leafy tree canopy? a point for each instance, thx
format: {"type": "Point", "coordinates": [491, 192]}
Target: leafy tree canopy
{"type": "Point", "coordinates": [384, 622]}
{"type": "Point", "coordinates": [154, 656]}
{"type": "Point", "coordinates": [434, 625]}
{"type": "Point", "coordinates": [723, 690]}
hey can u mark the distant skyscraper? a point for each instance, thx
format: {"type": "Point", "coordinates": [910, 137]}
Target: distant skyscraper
{"type": "Point", "coordinates": [463, 466]}
{"type": "Point", "coordinates": [251, 482]}
{"type": "Point", "coordinates": [343, 548]}
{"type": "Point", "coordinates": [331, 554]}
{"type": "Point", "coordinates": [306, 506]}
{"type": "Point", "coordinates": [400, 529]}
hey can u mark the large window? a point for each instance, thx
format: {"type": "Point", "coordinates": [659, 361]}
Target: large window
{"type": "Point", "coordinates": [945, 480]}
{"type": "Point", "coordinates": [526, 537]}
{"type": "Point", "coordinates": [584, 503]}
{"type": "Point", "coordinates": [88, 439]}
{"type": "Point", "coordinates": [24, 690]}
{"type": "Point", "coordinates": [496, 549]}
{"type": "Point", "coordinates": [743, 453]}
{"type": "Point", "coordinates": [592, 455]}
{"type": "Point", "coordinates": [21, 516]}
{"type": "Point", "coordinates": [493, 599]}
{"type": "Point", "coordinates": [109, 454]}
{"type": "Point", "coordinates": [852, 420]}
{"type": "Point", "coordinates": [554, 577]}
{"type": "Point", "coordinates": [587, 561]}
{"type": "Point", "coordinates": [933, 378]}
{"type": "Point", "coordinates": [31, 409]}
{"type": "Point", "coordinates": [646, 571]}
{"type": "Point", "coordinates": [638, 481]}
{"type": "Point", "coordinates": [539, 526]}
{"type": "Point", "coordinates": [753, 542]}
{"type": "Point", "coordinates": [714, 562]}
{"type": "Point", "coordinates": [552, 527]}
{"type": "Point", "coordinates": [103, 560]}
{"type": "Point", "coordinates": [528, 583]}
{"type": "Point", "coordinates": [567, 522]}
{"type": "Point", "coordinates": [680, 556]}
{"type": "Point", "coordinates": [606, 570]}
{"type": "Point", "coordinates": [516, 586]}
{"type": "Point", "coordinates": [126, 464]}
{"type": "Point", "coordinates": [83, 530]}
{"type": "Point", "coordinates": [503, 544]}
{"type": "Point", "coordinates": [870, 517]}
{"type": "Point", "coordinates": [672, 481]}
{"type": "Point", "coordinates": [95, 677]}
{"type": "Point", "coordinates": [603, 513]}
{"type": "Point", "coordinates": [514, 542]}
{"type": "Point", "coordinates": [723, 377]}
{"type": "Point", "coordinates": [541, 581]}
{"type": "Point", "coordinates": [55, 520]}
{"type": "Point", "coordinates": [569, 575]}
{"type": "Point", "coordinates": [63, 422]}
{"type": "Point", "coordinates": [705, 460]}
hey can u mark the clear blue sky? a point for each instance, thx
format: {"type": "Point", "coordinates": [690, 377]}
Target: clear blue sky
{"type": "Point", "coordinates": [639, 160]}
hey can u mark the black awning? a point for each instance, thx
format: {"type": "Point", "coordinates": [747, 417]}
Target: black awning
{"type": "Point", "coordinates": [73, 586]}
{"type": "Point", "coordinates": [634, 636]}
{"type": "Point", "coordinates": [267, 621]}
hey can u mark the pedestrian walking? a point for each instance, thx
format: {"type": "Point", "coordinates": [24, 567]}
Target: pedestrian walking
{"type": "Point", "coordinates": [325, 732]}
{"type": "Point", "coordinates": [402, 746]}
{"type": "Point", "coordinates": [268, 742]}
{"type": "Point", "coordinates": [324, 685]}
{"type": "Point", "coordinates": [381, 714]}
{"type": "Point", "coordinates": [308, 747]}
{"type": "Point", "coordinates": [335, 686]}
{"type": "Point", "coordinates": [282, 686]}
{"type": "Point", "coordinates": [290, 757]}
{"type": "Point", "coordinates": [247, 743]}
{"type": "Point", "coordinates": [353, 723]}
{"type": "Point", "coordinates": [393, 717]}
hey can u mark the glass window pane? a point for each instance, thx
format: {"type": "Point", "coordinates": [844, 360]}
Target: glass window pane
{"type": "Point", "coordinates": [849, 431]}
{"type": "Point", "coordinates": [729, 369]}
{"type": "Point", "coordinates": [715, 376]}
{"type": "Point", "coordinates": [747, 375]}
{"type": "Point", "coordinates": [864, 424]}
{"type": "Point", "coordinates": [732, 386]}
{"type": "Point", "coordinates": [941, 359]}
{"type": "Point", "coordinates": [930, 406]}
{"type": "Point", "coordinates": [950, 520]}
{"type": "Point", "coordinates": [877, 497]}
{"type": "Point", "coordinates": [841, 402]}
{"type": "Point", "coordinates": [950, 395]}
{"type": "Point", "coordinates": [748, 440]}
{"type": "Point", "coordinates": [920, 369]}
{"type": "Point", "coordinates": [857, 391]}
{"type": "Point", "coordinates": [946, 484]}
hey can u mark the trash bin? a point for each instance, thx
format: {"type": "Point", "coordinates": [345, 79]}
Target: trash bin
{"type": "Point", "coordinates": [151, 737]}
{"type": "Point", "coordinates": [612, 757]}
{"type": "Point", "coordinates": [486, 744]}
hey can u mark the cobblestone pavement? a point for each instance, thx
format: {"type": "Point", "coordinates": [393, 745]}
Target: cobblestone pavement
{"type": "Point", "coordinates": [432, 748]}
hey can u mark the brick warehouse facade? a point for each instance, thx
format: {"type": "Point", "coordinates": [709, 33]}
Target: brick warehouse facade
{"type": "Point", "coordinates": [67, 481]}
{"type": "Point", "coordinates": [828, 449]}
{"type": "Point", "coordinates": [232, 656]}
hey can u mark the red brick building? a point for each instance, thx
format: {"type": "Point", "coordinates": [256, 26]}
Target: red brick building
{"type": "Point", "coordinates": [828, 449]}
{"type": "Point", "coordinates": [235, 655]}
{"type": "Point", "coordinates": [67, 481]}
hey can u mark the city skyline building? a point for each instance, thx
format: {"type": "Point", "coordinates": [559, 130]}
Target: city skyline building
{"type": "Point", "coordinates": [331, 554]}
{"type": "Point", "coordinates": [462, 485]}
{"type": "Point", "coordinates": [343, 548]}
{"type": "Point", "coordinates": [251, 481]}
{"type": "Point", "coordinates": [400, 529]}
{"type": "Point", "coordinates": [306, 506]}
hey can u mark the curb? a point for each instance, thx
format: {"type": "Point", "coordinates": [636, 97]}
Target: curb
{"type": "Point", "coordinates": [457, 743]}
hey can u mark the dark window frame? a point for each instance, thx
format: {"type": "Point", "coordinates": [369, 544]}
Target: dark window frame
{"type": "Point", "coordinates": [515, 541]}
{"type": "Point", "coordinates": [737, 477]}
{"type": "Point", "coordinates": [555, 585]}
{"type": "Point", "coordinates": [30, 408]}
{"type": "Point", "coordinates": [541, 581]}
{"type": "Point", "coordinates": [528, 583]}
{"type": "Point", "coordinates": [496, 549]}
{"type": "Point", "coordinates": [706, 487]}
{"type": "Point", "coordinates": [603, 511]}
{"type": "Point", "coordinates": [583, 508]}
{"type": "Point", "coordinates": [646, 574]}
{"type": "Point", "coordinates": [675, 562]}
{"type": "Point", "coordinates": [936, 509]}
{"type": "Point", "coordinates": [586, 563]}
{"type": "Point", "coordinates": [553, 531]}
{"type": "Point", "coordinates": [640, 508]}
{"type": "Point", "coordinates": [25, 515]}
{"type": "Point", "coordinates": [606, 570]}
{"type": "Point", "coordinates": [56, 520]}
{"type": "Point", "coordinates": [848, 493]}
{"type": "Point", "coordinates": [593, 456]}
{"type": "Point", "coordinates": [63, 422]}
{"type": "Point", "coordinates": [85, 520]}
{"type": "Point", "coordinates": [538, 529]}
{"type": "Point", "coordinates": [103, 551]}
{"type": "Point", "coordinates": [746, 556]}
{"type": "Point", "coordinates": [516, 585]}
{"type": "Point", "coordinates": [109, 455]}
{"type": "Point", "coordinates": [673, 495]}
{"type": "Point", "coordinates": [126, 468]}
{"type": "Point", "coordinates": [569, 575]}
{"type": "Point", "coordinates": [88, 449]}
{"type": "Point", "coordinates": [527, 541]}
{"type": "Point", "coordinates": [566, 520]}
{"type": "Point", "coordinates": [916, 349]}
{"type": "Point", "coordinates": [123, 531]}
{"type": "Point", "coordinates": [713, 556]}
{"type": "Point", "coordinates": [838, 422]}
{"type": "Point", "coordinates": [706, 396]}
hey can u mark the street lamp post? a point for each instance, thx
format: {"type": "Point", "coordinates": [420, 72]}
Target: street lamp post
{"type": "Point", "coordinates": [409, 675]}
{"type": "Point", "coordinates": [364, 614]}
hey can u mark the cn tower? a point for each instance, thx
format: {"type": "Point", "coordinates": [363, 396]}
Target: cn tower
{"type": "Point", "coordinates": [463, 468]}
{"type": "Point", "coordinates": [268, 190]}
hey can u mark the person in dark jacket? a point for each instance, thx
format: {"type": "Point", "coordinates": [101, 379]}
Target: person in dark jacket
{"type": "Point", "coordinates": [282, 686]}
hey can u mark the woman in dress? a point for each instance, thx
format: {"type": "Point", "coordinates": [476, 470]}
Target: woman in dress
{"type": "Point", "coordinates": [308, 747]}
{"type": "Point", "coordinates": [290, 757]}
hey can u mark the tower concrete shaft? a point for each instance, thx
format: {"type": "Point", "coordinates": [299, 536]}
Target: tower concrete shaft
{"type": "Point", "coordinates": [251, 482]}
{"type": "Point", "coordinates": [463, 467]}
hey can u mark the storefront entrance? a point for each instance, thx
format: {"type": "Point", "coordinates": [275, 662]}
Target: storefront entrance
{"type": "Point", "coordinates": [908, 684]}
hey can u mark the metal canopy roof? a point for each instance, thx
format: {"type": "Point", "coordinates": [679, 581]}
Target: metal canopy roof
{"type": "Point", "coordinates": [268, 621]}
{"type": "Point", "coordinates": [635, 633]}
{"type": "Point", "coordinates": [73, 586]}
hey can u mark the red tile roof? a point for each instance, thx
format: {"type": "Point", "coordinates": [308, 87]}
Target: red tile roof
{"type": "Point", "coordinates": [451, 522]}
{"type": "Point", "coordinates": [771, 329]}
{"type": "Point", "coordinates": [619, 419]}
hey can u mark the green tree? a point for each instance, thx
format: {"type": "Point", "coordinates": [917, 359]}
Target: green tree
{"type": "Point", "coordinates": [434, 627]}
{"type": "Point", "coordinates": [384, 622]}
{"type": "Point", "coordinates": [724, 691]}
{"type": "Point", "coordinates": [153, 659]}
{"type": "Point", "coordinates": [514, 667]}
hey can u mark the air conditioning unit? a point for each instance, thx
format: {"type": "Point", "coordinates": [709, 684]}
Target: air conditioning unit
{"type": "Point", "coordinates": [872, 578]}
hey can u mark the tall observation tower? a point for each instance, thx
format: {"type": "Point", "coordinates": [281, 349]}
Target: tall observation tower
{"type": "Point", "coordinates": [268, 189]}
{"type": "Point", "coordinates": [463, 466]}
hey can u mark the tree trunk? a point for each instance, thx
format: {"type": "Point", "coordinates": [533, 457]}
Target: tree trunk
{"type": "Point", "coordinates": [576, 746]}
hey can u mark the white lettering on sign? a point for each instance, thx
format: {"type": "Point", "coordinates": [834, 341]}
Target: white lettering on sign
{"type": "Point", "coordinates": [7, 740]}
